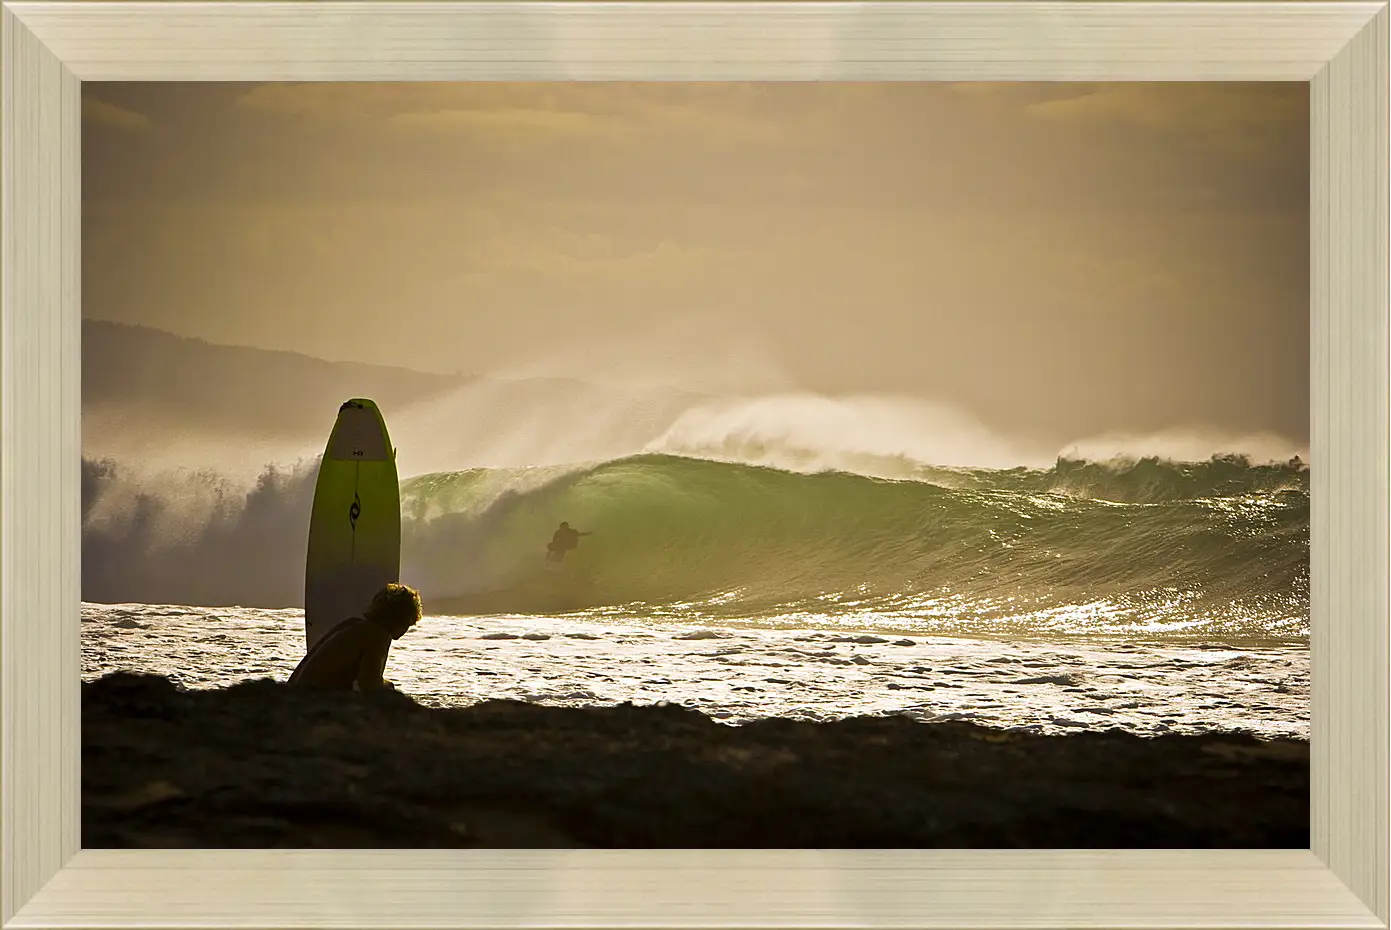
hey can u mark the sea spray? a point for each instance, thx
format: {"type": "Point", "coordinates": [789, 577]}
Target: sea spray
{"type": "Point", "coordinates": [1145, 547]}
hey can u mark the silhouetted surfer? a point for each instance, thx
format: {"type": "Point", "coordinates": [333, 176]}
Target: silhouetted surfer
{"type": "Point", "coordinates": [565, 539]}
{"type": "Point", "coordinates": [353, 654]}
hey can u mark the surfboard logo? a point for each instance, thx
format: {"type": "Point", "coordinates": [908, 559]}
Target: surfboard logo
{"type": "Point", "coordinates": [355, 511]}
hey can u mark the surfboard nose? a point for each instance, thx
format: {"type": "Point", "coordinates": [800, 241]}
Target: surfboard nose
{"type": "Point", "coordinates": [360, 434]}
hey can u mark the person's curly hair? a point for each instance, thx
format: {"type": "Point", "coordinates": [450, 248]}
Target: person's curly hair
{"type": "Point", "coordinates": [395, 603]}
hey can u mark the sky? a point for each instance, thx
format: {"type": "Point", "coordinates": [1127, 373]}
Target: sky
{"type": "Point", "coordinates": [1067, 259]}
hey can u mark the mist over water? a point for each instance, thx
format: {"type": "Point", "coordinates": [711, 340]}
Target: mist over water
{"type": "Point", "coordinates": [593, 401]}
{"type": "Point", "coordinates": [1193, 445]}
{"type": "Point", "coordinates": [195, 536]}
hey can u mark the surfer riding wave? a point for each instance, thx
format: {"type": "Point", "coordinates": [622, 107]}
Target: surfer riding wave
{"type": "Point", "coordinates": [565, 539]}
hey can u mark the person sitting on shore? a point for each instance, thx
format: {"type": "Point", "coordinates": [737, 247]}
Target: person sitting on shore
{"type": "Point", "coordinates": [565, 539]}
{"type": "Point", "coordinates": [353, 654]}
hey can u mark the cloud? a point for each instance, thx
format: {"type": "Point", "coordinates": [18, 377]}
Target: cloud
{"type": "Point", "coordinates": [511, 115]}
{"type": "Point", "coordinates": [1114, 283]}
{"type": "Point", "coordinates": [1017, 95]}
{"type": "Point", "coordinates": [1234, 118]}
{"type": "Point", "coordinates": [405, 245]}
{"type": "Point", "coordinates": [561, 253]}
{"type": "Point", "coordinates": [102, 113]}
{"type": "Point", "coordinates": [984, 88]}
{"type": "Point", "coordinates": [515, 125]}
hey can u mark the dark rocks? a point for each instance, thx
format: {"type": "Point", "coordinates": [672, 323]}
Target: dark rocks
{"type": "Point", "coordinates": [1070, 680]}
{"type": "Point", "coordinates": [257, 765]}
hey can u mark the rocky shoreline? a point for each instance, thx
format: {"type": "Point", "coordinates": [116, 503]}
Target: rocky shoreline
{"type": "Point", "coordinates": [257, 765]}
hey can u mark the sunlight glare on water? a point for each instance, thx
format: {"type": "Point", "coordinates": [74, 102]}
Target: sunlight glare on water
{"type": "Point", "coordinates": [736, 674]}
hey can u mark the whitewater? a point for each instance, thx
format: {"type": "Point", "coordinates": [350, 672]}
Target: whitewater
{"type": "Point", "coordinates": [1148, 595]}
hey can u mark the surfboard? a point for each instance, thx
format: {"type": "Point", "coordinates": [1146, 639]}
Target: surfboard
{"type": "Point", "coordinates": [355, 525]}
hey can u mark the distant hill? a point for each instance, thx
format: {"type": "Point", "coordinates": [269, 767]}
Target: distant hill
{"type": "Point", "coordinates": [168, 401]}
{"type": "Point", "coordinates": [173, 380]}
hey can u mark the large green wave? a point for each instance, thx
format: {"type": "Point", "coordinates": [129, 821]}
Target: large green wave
{"type": "Point", "coordinates": [1149, 542]}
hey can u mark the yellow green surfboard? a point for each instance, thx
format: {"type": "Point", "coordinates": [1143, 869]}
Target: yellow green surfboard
{"type": "Point", "coordinates": [355, 526]}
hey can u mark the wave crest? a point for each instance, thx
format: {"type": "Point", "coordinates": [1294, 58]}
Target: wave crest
{"type": "Point", "coordinates": [1147, 537]}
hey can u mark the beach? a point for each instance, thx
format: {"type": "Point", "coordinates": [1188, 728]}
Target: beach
{"type": "Point", "coordinates": [258, 765]}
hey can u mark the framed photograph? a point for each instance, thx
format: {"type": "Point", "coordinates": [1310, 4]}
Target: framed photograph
{"type": "Point", "coordinates": [927, 383]}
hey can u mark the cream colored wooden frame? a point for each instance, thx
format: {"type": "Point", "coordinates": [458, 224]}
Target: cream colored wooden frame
{"type": "Point", "coordinates": [50, 48]}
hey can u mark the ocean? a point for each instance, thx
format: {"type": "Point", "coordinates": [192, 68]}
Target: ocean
{"type": "Point", "coordinates": [1148, 595]}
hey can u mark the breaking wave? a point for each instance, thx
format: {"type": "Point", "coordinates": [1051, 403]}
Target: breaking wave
{"type": "Point", "coordinates": [1217, 547]}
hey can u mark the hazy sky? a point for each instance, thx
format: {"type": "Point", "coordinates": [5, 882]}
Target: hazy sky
{"type": "Point", "coordinates": [1071, 257]}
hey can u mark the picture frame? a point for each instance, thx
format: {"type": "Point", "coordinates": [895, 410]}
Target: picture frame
{"type": "Point", "coordinates": [49, 48]}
